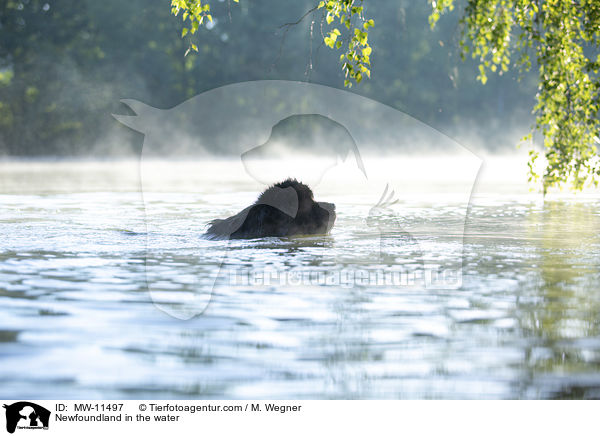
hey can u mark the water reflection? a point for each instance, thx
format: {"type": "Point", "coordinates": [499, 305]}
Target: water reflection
{"type": "Point", "coordinates": [559, 311]}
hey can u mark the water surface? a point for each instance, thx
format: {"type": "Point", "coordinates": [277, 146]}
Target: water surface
{"type": "Point", "coordinates": [79, 250]}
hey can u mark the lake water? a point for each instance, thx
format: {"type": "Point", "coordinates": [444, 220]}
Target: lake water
{"type": "Point", "coordinates": [96, 272]}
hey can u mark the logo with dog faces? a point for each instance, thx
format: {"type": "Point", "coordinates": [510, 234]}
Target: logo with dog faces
{"type": "Point", "coordinates": [255, 121]}
{"type": "Point", "coordinates": [25, 415]}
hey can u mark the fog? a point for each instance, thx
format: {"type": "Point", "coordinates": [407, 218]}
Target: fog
{"type": "Point", "coordinates": [66, 66]}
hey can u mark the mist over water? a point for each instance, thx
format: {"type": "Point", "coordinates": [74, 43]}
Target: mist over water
{"type": "Point", "coordinates": [58, 96]}
{"type": "Point", "coordinates": [83, 242]}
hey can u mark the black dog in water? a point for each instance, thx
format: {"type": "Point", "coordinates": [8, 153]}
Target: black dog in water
{"type": "Point", "coordinates": [285, 209]}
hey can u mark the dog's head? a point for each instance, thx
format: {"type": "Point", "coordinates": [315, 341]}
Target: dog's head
{"type": "Point", "coordinates": [311, 217]}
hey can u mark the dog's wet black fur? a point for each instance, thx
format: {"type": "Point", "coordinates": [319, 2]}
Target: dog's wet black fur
{"type": "Point", "coordinates": [284, 209]}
